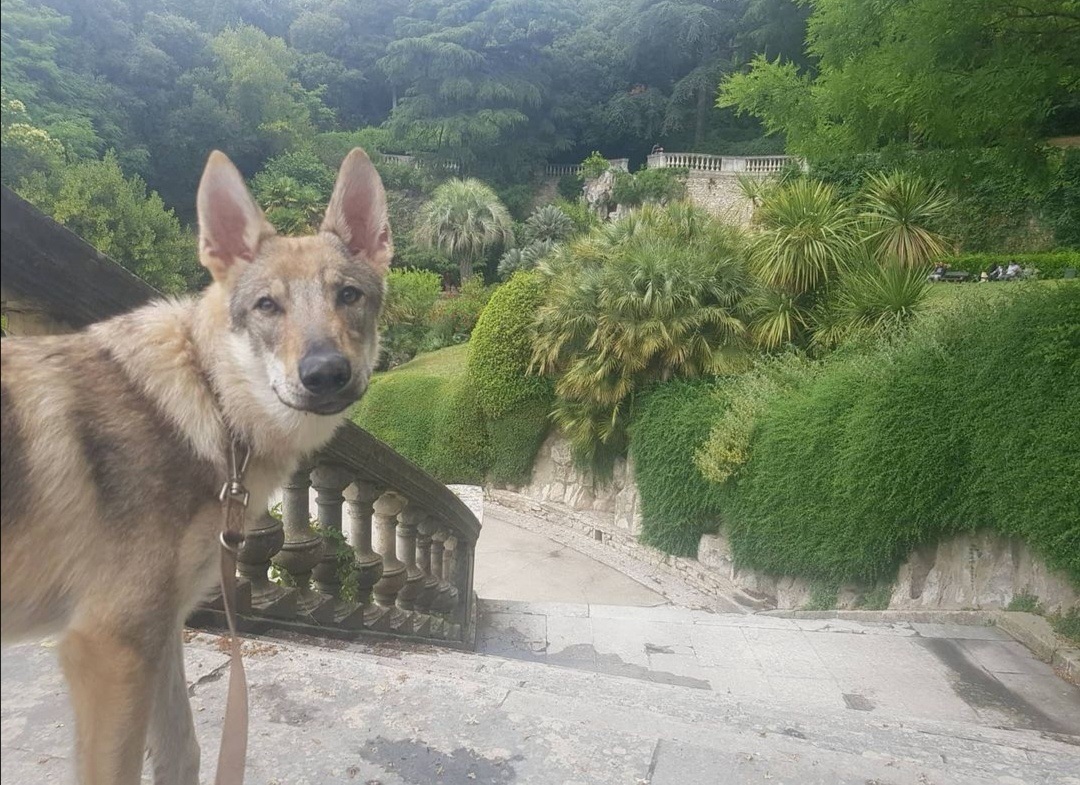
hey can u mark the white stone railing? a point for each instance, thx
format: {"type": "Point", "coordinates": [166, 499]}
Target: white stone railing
{"type": "Point", "coordinates": [417, 163]}
{"type": "Point", "coordinates": [725, 164]}
{"type": "Point", "coordinates": [560, 170]}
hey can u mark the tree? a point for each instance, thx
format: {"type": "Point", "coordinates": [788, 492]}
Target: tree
{"type": "Point", "coordinates": [473, 83]}
{"type": "Point", "coordinates": [24, 148]}
{"type": "Point", "coordinates": [464, 219]}
{"type": "Point", "coordinates": [993, 73]}
{"type": "Point", "coordinates": [117, 216]}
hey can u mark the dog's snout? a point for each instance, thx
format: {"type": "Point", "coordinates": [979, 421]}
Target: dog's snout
{"type": "Point", "coordinates": [324, 372]}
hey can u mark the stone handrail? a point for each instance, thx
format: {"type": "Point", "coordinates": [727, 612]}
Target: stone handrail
{"type": "Point", "coordinates": [392, 553]}
{"type": "Point", "coordinates": [411, 541]}
{"type": "Point", "coordinates": [727, 164]}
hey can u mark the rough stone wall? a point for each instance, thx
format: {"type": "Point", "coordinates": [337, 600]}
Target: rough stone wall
{"type": "Point", "coordinates": [556, 479]}
{"type": "Point", "coordinates": [719, 193]}
{"type": "Point", "coordinates": [977, 571]}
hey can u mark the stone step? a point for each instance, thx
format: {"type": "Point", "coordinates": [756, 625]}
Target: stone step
{"type": "Point", "coordinates": [694, 730]}
{"type": "Point", "coordinates": [399, 713]}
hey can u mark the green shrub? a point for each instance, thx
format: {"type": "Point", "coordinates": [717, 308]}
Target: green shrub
{"type": "Point", "coordinates": [1024, 601]}
{"type": "Point", "coordinates": [403, 407]}
{"type": "Point", "coordinates": [410, 297]}
{"type": "Point", "coordinates": [569, 187]}
{"type": "Point", "coordinates": [649, 185]}
{"type": "Point", "coordinates": [502, 347]}
{"type": "Point", "coordinates": [594, 166]}
{"type": "Point", "coordinates": [455, 314]}
{"type": "Point", "coordinates": [822, 597]}
{"type": "Point", "coordinates": [969, 424]}
{"type": "Point", "coordinates": [119, 217]}
{"type": "Point", "coordinates": [1050, 264]}
{"type": "Point", "coordinates": [459, 450]}
{"type": "Point", "coordinates": [1067, 625]}
{"type": "Point", "coordinates": [579, 212]}
{"type": "Point", "coordinates": [677, 504]}
{"type": "Point", "coordinates": [747, 396]}
{"type": "Point", "coordinates": [515, 439]}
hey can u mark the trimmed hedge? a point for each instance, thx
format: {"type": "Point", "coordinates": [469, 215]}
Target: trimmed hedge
{"type": "Point", "coordinates": [1051, 264]}
{"type": "Point", "coordinates": [502, 347]}
{"type": "Point", "coordinates": [469, 414]}
{"type": "Point", "coordinates": [678, 504]}
{"type": "Point", "coordinates": [971, 423]}
{"type": "Point", "coordinates": [419, 409]}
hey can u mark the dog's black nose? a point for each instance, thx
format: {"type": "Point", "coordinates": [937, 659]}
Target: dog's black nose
{"type": "Point", "coordinates": [325, 372]}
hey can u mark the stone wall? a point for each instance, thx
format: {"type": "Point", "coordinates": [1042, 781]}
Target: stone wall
{"type": "Point", "coordinates": [976, 571]}
{"type": "Point", "coordinates": [719, 193]}
{"type": "Point", "coordinates": [556, 479]}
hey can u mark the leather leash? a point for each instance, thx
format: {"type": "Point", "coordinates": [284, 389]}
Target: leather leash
{"type": "Point", "coordinates": [234, 732]}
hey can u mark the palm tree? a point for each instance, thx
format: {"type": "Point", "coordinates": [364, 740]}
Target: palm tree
{"type": "Point", "coordinates": [655, 296]}
{"type": "Point", "coordinates": [463, 220]}
{"type": "Point", "coordinates": [548, 223]}
{"type": "Point", "coordinates": [806, 234]}
{"type": "Point", "coordinates": [901, 212]}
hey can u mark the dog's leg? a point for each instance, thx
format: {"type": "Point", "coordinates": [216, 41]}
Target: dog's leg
{"type": "Point", "coordinates": [111, 689]}
{"type": "Point", "coordinates": [174, 752]}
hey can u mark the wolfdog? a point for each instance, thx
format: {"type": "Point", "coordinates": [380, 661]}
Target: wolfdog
{"type": "Point", "coordinates": [115, 443]}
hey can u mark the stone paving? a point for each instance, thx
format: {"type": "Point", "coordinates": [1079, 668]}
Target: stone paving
{"type": "Point", "coordinates": [606, 695]}
{"type": "Point", "coordinates": [616, 685]}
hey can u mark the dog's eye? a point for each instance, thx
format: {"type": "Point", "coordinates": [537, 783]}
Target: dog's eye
{"type": "Point", "coordinates": [349, 295]}
{"type": "Point", "coordinates": [266, 305]}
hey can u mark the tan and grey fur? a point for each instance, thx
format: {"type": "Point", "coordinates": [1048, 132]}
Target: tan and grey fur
{"type": "Point", "coordinates": [114, 444]}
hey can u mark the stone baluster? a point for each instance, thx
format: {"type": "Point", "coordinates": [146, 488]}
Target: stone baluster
{"type": "Point", "coordinates": [303, 547]}
{"type": "Point", "coordinates": [424, 545]}
{"type": "Point", "coordinates": [359, 506]}
{"type": "Point", "coordinates": [462, 579]}
{"type": "Point", "coordinates": [264, 538]}
{"type": "Point", "coordinates": [329, 481]}
{"type": "Point", "coordinates": [441, 601]}
{"type": "Point", "coordinates": [387, 508]}
{"type": "Point", "coordinates": [406, 551]}
{"type": "Point", "coordinates": [448, 570]}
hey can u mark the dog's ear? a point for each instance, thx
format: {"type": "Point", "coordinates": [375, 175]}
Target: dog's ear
{"type": "Point", "coordinates": [231, 225]}
{"type": "Point", "coordinates": [357, 211]}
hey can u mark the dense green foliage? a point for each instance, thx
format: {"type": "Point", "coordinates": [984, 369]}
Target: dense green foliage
{"type": "Point", "coordinates": [993, 73]}
{"type": "Point", "coordinates": [475, 417]}
{"type": "Point", "coordinates": [968, 424]}
{"type": "Point", "coordinates": [678, 505]}
{"type": "Point", "coordinates": [835, 470]}
{"type": "Point", "coordinates": [116, 215]}
{"type": "Point", "coordinates": [831, 267]}
{"type": "Point", "coordinates": [657, 295]}
{"type": "Point", "coordinates": [501, 348]}
{"type": "Point", "coordinates": [963, 91]}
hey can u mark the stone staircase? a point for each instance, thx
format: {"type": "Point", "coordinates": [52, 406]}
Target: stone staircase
{"type": "Point", "coordinates": [598, 694]}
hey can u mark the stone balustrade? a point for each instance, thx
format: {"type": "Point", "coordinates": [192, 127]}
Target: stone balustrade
{"type": "Point", "coordinates": [417, 162]}
{"type": "Point", "coordinates": [561, 170]}
{"type": "Point", "coordinates": [389, 553]}
{"type": "Point", "coordinates": [725, 164]}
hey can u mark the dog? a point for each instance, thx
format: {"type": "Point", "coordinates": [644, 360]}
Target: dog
{"type": "Point", "coordinates": [115, 444]}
